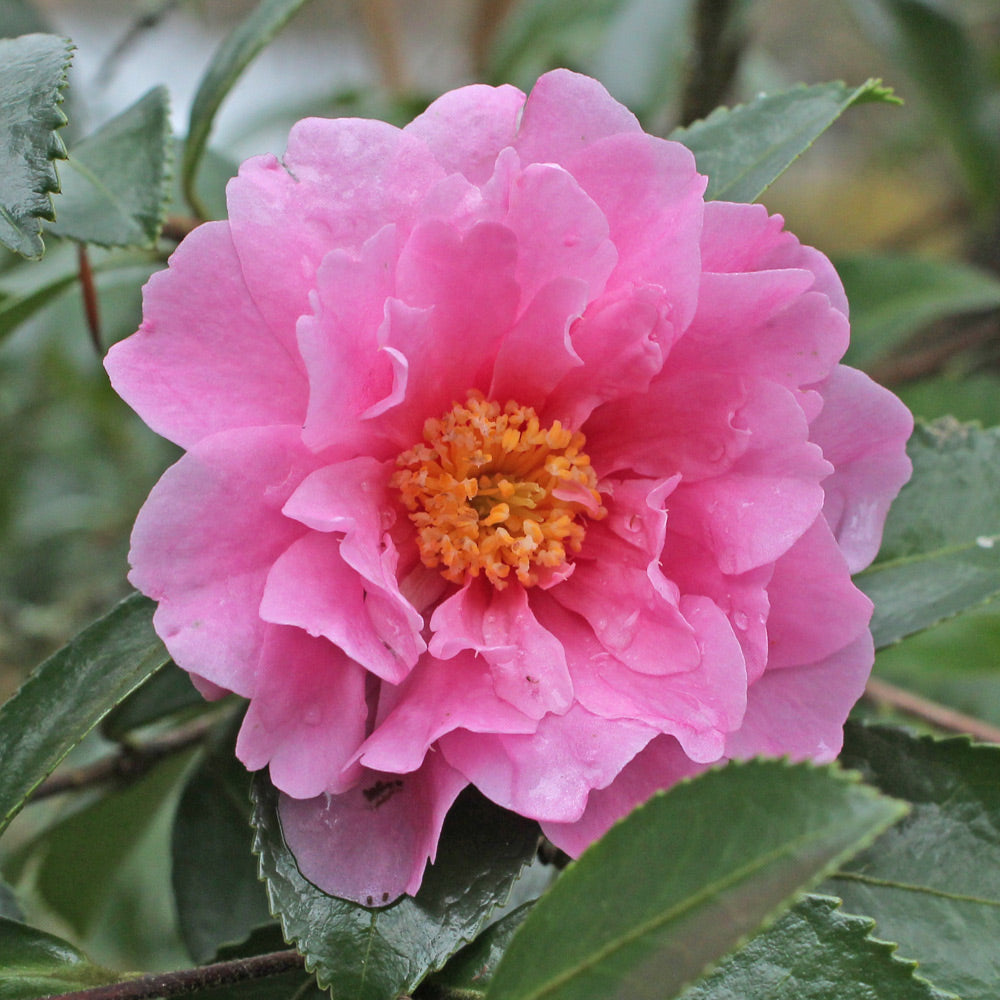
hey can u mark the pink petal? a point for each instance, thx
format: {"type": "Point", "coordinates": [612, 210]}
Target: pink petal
{"type": "Point", "coordinates": [621, 341]}
{"type": "Point", "coordinates": [739, 237]}
{"type": "Point", "coordinates": [564, 114]}
{"type": "Point", "coordinates": [312, 587]}
{"type": "Point", "coordinates": [438, 697]}
{"type": "Point", "coordinates": [686, 422]}
{"type": "Point", "coordinates": [799, 712]}
{"type": "Point", "coordinates": [307, 716]}
{"type": "Point", "coordinates": [547, 775]}
{"type": "Point", "coordinates": [341, 181]}
{"type": "Point", "coordinates": [371, 844]}
{"type": "Point", "coordinates": [651, 194]}
{"type": "Point", "coordinates": [348, 372]}
{"type": "Point", "coordinates": [862, 430]}
{"type": "Point", "coordinates": [813, 575]}
{"type": "Point", "coordinates": [660, 764]}
{"type": "Point", "coordinates": [204, 541]}
{"type": "Point", "coordinates": [204, 360]}
{"type": "Point", "coordinates": [526, 660]}
{"type": "Point", "coordinates": [466, 128]}
{"type": "Point", "coordinates": [754, 512]}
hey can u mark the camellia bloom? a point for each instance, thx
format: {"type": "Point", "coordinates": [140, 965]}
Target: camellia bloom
{"type": "Point", "coordinates": [511, 461]}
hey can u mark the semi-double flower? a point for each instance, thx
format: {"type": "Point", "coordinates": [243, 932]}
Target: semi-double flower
{"type": "Point", "coordinates": [509, 461]}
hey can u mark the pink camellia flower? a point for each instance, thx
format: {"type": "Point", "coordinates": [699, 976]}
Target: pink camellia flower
{"type": "Point", "coordinates": [511, 461]}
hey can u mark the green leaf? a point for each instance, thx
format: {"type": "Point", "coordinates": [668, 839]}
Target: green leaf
{"type": "Point", "coordinates": [963, 396]}
{"type": "Point", "coordinates": [219, 897]}
{"type": "Point", "coordinates": [939, 54]}
{"type": "Point", "coordinates": [115, 184]}
{"type": "Point", "coordinates": [743, 150]}
{"type": "Point", "coordinates": [368, 954]}
{"type": "Point", "coordinates": [469, 972]}
{"type": "Point", "coordinates": [167, 692]}
{"type": "Point", "coordinates": [894, 296]}
{"type": "Point", "coordinates": [933, 882]}
{"type": "Point", "coordinates": [36, 964]}
{"type": "Point", "coordinates": [19, 17]}
{"type": "Point", "coordinates": [69, 694]}
{"type": "Point", "coordinates": [815, 952]}
{"type": "Point", "coordinates": [9, 906]}
{"type": "Point", "coordinates": [32, 76]}
{"type": "Point", "coordinates": [232, 57]}
{"type": "Point", "coordinates": [933, 566]}
{"type": "Point", "coordinates": [681, 881]}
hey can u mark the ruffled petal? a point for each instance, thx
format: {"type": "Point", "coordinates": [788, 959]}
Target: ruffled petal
{"type": "Point", "coordinates": [813, 575]}
{"type": "Point", "coordinates": [204, 360]}
{"type": "Point", "coordinates": [307, 716]}
{"type": "Point", "coordinates": [526, 661]}
{"type": "Point", "coordinates": [287, 215]}
{"type": "Point", "coordinates": [465, 129]}
{"type": "Point", "coordinates": [371, 844]}
{"type": "Point", "coordinates": [205, 541]}
{"type": "Point", "coordinates": [565, 113]}
{"type": "Point", "coordinates": [438, 697]}
{"type": "Point", "coordinates": [862, 430]}
{"type": "Point", "coordinates": [660, 764]}
{"type": "Point", "coordinates": [800, 712]}
{"type": "Point", "coordinates": [548, 774]}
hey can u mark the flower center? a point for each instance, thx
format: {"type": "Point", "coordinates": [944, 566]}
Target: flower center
{"type": "Point", "coordinates": [490, 490]}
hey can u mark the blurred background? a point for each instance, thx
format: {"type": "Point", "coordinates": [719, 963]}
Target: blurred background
{"type": "Point", "coordinates": [905, 199]}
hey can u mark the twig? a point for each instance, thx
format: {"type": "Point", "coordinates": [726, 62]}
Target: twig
{"type": "Point", "coordinates": [489, 17]}
{"type": "Point", "coordinates": [130, 763]}
{"type": "Point", "coordinates": [175, 984]}
{"type": "Point", "coordinates": [380, 20]}
{"type": "Point", "coordinates": [89, 292]}
{"type": "Point", "coordinates": [176, 227]}
{"type": "Point", "coordinates": [718, 44]}
{"type": "Point", "coordinates": [883, 693]}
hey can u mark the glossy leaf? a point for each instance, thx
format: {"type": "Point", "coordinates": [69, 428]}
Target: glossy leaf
{"type": "Point", "coordinates": [32, 76]}
{"type": "Point", "coordinates": [114, 184]}
{"type": "Point", "coordinates": [893, 297]}
{"type": "Point", "coordinates": [232, 57]}
{"type": "Point", "coordinates": [681, 881]}
{"type": "Point", "coordinates": [933, 566]}
{"type": "Point", "coordinates": [36, 964]}
{"type": "Point", "coordinates": [934, 47]}
{"type": "Point", "coordinates": [69, 694]}
{"type": "Point", "coordinates": [815, 952]}
{"type": "Point", "coordinates": [469, 973]}
{"type": "Point", "coordinates": [219, 897]}
{"type": "Point", "coordinates": [167, 692]}
{"type": "Point", "coordinates": [378, 954]}
{"type": "Point", "coordinates": [933, 883]}
{"type": "Point", "coordinates": [743, 150]}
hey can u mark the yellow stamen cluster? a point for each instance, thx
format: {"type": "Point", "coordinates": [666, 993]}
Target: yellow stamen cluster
{"type": "Point", "coordinates": [481, 486]}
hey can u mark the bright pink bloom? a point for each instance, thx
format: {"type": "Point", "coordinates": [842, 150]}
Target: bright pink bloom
{"type": "Point", "coordinates": [510, 461]}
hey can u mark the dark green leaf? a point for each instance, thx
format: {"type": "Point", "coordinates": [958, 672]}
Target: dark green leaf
{"type": "Point", "coordinates": [167, 692]}
{"type": "Point", "coordinates": [114, 186]}
{"type": "Point", "coordinates": [36, 964]}
{"type": "Point", "coordinates": [743, 150]}
{"type": "Point", "coordinates": [680, 882]}
{"type": "Point", "coordinates": [32, 76]}
{"type": "Point", "coordinates": [9, 907]}
{"type": "Point", "coordinates": [69, 694]}
{"type": "Point", "coordinates": [378, 954]}
{"type": "Point", "coordinates": [815, 952]}
{"type": "Point", "coordinates": [232, 57]}
{"type": "Point", "coordinates": [933, 883]}
{"type": "Point", "coordinates": [940, 55]}
{"type": "Point", "coordinates": [469, 973]}
{"type": "Point", "coordinates": [893, 297]}
{"type": "Point", "coordinates": [219, 898]}
{"type": "Point", "coordinates": [933, 566]}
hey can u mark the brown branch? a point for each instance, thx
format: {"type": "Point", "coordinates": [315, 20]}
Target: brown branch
{"type": "Point", "coordinates": [175, 984]}
{"type": "Point", "coordinates": [176, 227]}
{"type": "Point", "coordinates": [490, 15]}
{"type": "Point", "coordinates": [380, 19]}
{"type": "Point", "coordinates": [883, 693]}
{"type": "Point", "coordinates": [129, 764]}
{"type": "Point", "coordinates": [89, 293]}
